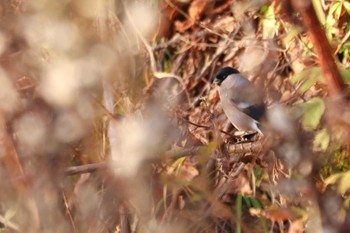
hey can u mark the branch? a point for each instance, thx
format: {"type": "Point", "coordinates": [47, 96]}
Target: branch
{"type": "Point", "coordinates": [233, 149]}
{"type": "Point", "coordinates": [248, 147]}
{"type": "Point", "coordinates": [86, 168]}
{"type": "Point", "coordinates": [322, 48]}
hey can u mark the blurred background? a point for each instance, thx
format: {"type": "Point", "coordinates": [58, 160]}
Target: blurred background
{"type": "Point", "coordinates": [110, 121]}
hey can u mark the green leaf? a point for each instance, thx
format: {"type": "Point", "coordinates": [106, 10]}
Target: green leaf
{"type": "Point", "coordinates": [321, 141]}
{"type": "Point", "coordinates": [313, 112]}
{"type": "Point", "coordinates": [336, 9]}
{"type": "Point", "coordinates": [247, 201]}
{"type": "Point", "coordinates": [345, 73]}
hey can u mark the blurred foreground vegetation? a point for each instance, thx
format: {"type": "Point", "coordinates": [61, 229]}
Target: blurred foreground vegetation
{"type": "Point", "coordinates": [110, 122]}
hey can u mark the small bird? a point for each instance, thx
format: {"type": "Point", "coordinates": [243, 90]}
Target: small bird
{"type": "Point", "coordinates": [241, 101]}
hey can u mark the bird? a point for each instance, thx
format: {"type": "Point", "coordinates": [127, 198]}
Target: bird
{"type": "Point", "coordinates": [241, 100]}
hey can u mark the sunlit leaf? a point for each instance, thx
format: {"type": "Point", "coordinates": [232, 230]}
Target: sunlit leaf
{"type": "Point", "coordinates": [308, 77]}
{"type": "Point", "coordinates": [344, 183]}
{"type": "Point", "coordinates": [346, 202]}
{"type": "Point", "coordinates": [270, 25]}
{"type": "Point", "coordinates": [347, 7]}
{"type": "Point", "coordinates": [321, 140]}
{"type": "Point", "coordinates": [332, 179]}
{"type": "Point", "coordinates": [175, 166]}
{"type": "Point", "coordinates": [10, 213]}
{"type": "Point", "coordinates": [313, 112]}
{"type": "Point", "coordinates": [161, 75]}
{"type": "Point", "coordinates": [336, 9]}
{"type": "Point", "coordinates": [330, 26]}
{"type": "Point", "coordinates": [292, 33]}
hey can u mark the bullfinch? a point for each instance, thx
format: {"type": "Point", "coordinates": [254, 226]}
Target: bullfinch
{"type": "Point", "coordinates": [241, 101]}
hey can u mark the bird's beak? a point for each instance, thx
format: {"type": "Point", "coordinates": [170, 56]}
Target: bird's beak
{"type": "Point", "coordinates": [216, 81]}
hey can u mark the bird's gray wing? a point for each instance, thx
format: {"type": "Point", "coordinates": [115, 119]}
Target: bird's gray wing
{"type": "Point", "coordinates": [254, 111]}
{"type": "Point", "coordinates": [244, 95]}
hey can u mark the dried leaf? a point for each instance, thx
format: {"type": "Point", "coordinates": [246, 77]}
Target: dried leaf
{"type": "Point", "coordinates": [198, 7]}
{"type": "Point", "coordinates": [195, 11]}
{"type": "Point", "coordinates": [279, 214]}
{"type": "Point", "coordinates": [188, 171]}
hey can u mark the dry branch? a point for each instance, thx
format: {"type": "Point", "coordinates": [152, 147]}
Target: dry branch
{"type": "Point", "coordinates": [322, 48]}
{"type": "Point", "coordinates": [86, 168]}
{"type": "Point", "coordinates": [233, 149]}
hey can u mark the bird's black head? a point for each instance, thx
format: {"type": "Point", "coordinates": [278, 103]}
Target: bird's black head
{"type": "Point", "coordinates": [222, 74]}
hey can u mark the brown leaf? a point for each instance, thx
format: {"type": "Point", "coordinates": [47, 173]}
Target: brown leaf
{"type": "Point", "coordinates": [195, 12]}
{"type": "Point", "coordinates": [240, 185]}
{"type": "Point", "coordinates": [169, 11]}
{"type": "Point", "coordinates": [199, 7]}
{"type": "Point", "coordinates": [279, 214]}
{"type": "Point", "coordinates": [188, 172]}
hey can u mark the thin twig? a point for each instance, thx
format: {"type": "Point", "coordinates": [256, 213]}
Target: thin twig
{"type": "Point", "coordinates": [86, 168]}
{"type": "Point", "coordinates": [233, 149]}
{"type": "Point", "coordinates": [207, 127]}
{"type": "Point", "coordinates": [69, 213]}
{"type": "Point", "coordinates": [345, 39]}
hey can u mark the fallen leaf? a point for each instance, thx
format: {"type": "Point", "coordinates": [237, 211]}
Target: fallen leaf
{"type": "Point", "coordinates": [195, 12]}
{"type": "Point", "coordinates": [279, 214]}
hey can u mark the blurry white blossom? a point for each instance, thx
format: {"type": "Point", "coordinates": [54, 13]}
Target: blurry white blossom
{"type": "Point", "coordinates": [252, 57]}
{"type": "Point", "coordinates": [64, 78]}
{"type": "Point", "coordinates": [69, 127]}
{"type": "Point", "coordinates": [135, 139]}
{"type": "Point", "coordinates": [280, 120]}
{"type": "Point", "coordinates": [60, 83]}
{"type": "Point", "coordinates": [31, 133]}
{"type": "Point", "coordinates": [92, 8]}
{"type": "Point", "coordinates": [142, 18]}
{"type": "Point", "coordinates": [55, 36]}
